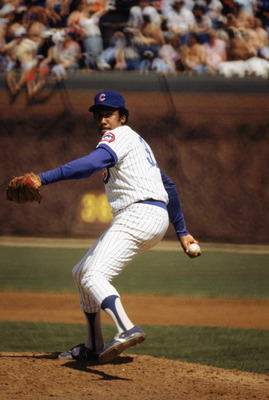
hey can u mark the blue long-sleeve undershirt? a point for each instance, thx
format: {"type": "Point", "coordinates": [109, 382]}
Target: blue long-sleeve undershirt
{"type": "Point", "coordinates": [101, 158]}
{"type": "Point", "coordinates": [82, 167]}
{"type": "Point", "coordinates": [174, 207]}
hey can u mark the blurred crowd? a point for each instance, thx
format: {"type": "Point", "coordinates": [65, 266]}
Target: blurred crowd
{"type": "Point", "coordinates": [44, 38]}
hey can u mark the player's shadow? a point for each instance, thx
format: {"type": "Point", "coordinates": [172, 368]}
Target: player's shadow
{"type": "Point", "coordinates": [86, 367]}
{"type": "Point", "coordinates": [80, 365]}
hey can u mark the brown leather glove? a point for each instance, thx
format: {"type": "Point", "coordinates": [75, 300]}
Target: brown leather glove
{"type": "Point", "coordinates": [24, 188]}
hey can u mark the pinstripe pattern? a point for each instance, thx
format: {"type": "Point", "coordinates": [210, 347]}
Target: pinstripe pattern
{"type": "Point", "coordinates": [133, 230]}
{"type": "Point", "coordinates": [136, 175]}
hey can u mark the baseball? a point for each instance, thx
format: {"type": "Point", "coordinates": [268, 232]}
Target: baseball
{"type": "Point", "coordinates": [194, 249]}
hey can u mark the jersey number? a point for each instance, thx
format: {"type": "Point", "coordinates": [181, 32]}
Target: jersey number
{"type": "Point", "coordinates": [150, 156]}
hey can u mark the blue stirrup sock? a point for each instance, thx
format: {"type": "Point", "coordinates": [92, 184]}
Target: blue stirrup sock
{"type": "Point", "coordinates": [95, 340]}
{"type": "Point", "coordinates": [113, 307]}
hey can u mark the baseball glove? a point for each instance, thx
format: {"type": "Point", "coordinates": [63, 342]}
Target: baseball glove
{"type": "Point", "coordinates": [24, 188]}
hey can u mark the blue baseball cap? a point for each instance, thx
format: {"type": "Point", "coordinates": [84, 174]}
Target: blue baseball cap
{"type": "Point", "coordinates": [108, 98]}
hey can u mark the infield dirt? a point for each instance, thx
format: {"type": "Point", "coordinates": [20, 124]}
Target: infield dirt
{"type": "Point", "coordinates": [131, 377]}
{"type": "Point", "coordinates": [43, 376]}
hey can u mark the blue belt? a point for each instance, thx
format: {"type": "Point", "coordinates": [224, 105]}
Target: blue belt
{"type": "Point", "coordinates": [154, 203]}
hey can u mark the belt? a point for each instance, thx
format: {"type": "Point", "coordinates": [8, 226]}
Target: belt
{"type": "Point", "coordinates": [154, 203]}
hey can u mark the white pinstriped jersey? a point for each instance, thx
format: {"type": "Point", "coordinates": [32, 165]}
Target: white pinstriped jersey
{"type": "Point", "coordinates": [136, 175]}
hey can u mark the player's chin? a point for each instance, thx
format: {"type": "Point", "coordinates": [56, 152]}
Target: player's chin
{"type": "Point", "coordinates": [103, 130]}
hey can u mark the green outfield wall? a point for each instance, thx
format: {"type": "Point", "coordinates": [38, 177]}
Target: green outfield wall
{"type": "Point", "coordinates": [209, 134]}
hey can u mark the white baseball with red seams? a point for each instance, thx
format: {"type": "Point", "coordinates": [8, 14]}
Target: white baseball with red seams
{"type": "Point", "coordinates": [194, 249]}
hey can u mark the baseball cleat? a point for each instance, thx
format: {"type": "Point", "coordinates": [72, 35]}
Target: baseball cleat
{"type": "Point", "coordinates": [121, 342]}
{"type": "Point", "coordinates": [80, 353]}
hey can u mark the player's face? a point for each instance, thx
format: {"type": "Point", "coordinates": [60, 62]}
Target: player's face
{"type": "Point", "coordinates": [108, 119]}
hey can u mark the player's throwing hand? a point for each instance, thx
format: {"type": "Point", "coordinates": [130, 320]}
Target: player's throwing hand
{"type": "Point", "coordinates": [186, 242]}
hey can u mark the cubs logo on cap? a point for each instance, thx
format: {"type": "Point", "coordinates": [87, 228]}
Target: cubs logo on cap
{"type": "Point", "coordinates": [108, 98]}
{"type": "Point", "coordinates": [102, 97]}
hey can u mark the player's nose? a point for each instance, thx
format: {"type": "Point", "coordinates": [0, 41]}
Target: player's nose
{"type": "Point", "coordinates": [103, 118]}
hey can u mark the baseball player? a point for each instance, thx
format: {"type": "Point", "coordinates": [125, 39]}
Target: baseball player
{"type": "Point", "coordinates": [142, 199]}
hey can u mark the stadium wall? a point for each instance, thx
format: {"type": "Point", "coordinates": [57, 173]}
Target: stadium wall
{"type": "Point", "coordinates": [209, 135]}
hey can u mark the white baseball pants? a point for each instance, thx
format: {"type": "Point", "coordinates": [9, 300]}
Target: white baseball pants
{"type": "Point", "coordinates": [132, 230]}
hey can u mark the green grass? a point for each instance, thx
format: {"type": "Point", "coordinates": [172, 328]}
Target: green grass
{"type": "Point", "coordinates": [242, 349]}
{"type": "Point", "coordinates": [222, 275]}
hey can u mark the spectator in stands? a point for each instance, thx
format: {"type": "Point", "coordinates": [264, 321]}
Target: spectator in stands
{"type": "Point", "coordinates": [203, 23]}
{"type": "Point", "coordinates": [180, 21]}
{"type": "Point", "coordinates": [22, 53]}
{"type": "Point", "coordinates": [8, 19]}
{"type": "Point", "coordinates": [263, 13]}
{"type": "Point", "coordinates": [150, 37]}
{"type": "Point", "coordinates": [144, 7]}
{"type": "Point", "coordinates": [214, 12]}
{"type": "Point", "coordinates": [170, 53]}
{"type": "Point", "coordinates": [52, 63]}
{"type": "Point", "coordinates": [262, 40]}
{"type": "Point", "coordinates": [257, 36]}
{"type": "Point", "coordinates": [127, 55]}
{"type": "Point", "coordinates": [149, 40]}
{"type": "Point", "coordinates": [38, 14]}
{"type": "Point", "coordinates": [151, 62]}
{"type": "Point", "coordinates": [242, 19]}
{"type": "Point", "coordinates": [64, 55]}
{"type": "Point", "coordinates": [8, 55]}
{"type": "Point", "coordinates": [261, 32]}
{"type": "Point", "coordinates": [238, 48]}
{"type": "Point", "coordinates": [36, 78]}
{"type": "Point", "coordinates": [116, 43]}
{"type": "Point", "coordinates": [215, 50]}
{"type": "Point", "coordinates": [58, 11]}
{"type": "Point", "coordinates": [71, 53]}
{"type": "Point", "coordinates": [248, 6]}
{"type": "Point", "coordinates": [73, 20]}
{"type": "Point", "coordinates": [167, 6]}
{"type": "Point", "coordinates": [193, 55]}
{"type": "Point", "coordinates": [4, 31]}
{"type": "Point", "coordinates": [228, 6]}
{"type": "Point", "coordinates": [92, 38]}
{"type": "Point", "coordinates": [35, 32]}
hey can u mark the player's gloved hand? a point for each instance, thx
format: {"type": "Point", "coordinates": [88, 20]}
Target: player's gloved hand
{"type": "Point", "coordinates": [24, 188]}
{"type": "Point", "coordinates": [186, 241]}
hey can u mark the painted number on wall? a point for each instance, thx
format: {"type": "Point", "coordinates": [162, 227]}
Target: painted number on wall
{"type": "Point", "coordinates": [95, 207]}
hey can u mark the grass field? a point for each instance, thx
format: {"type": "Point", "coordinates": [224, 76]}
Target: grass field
{"type": "Point", "coordinates": [215, 274]}
{"type": "Point", "coordinates": [227, 274]}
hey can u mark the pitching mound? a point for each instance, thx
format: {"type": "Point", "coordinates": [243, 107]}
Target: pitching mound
{"type": "Point", "coordinates": [43, 376]}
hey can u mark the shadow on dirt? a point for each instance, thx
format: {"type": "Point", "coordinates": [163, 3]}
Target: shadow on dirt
{"type": "Point", "coordinates": [86, 367]}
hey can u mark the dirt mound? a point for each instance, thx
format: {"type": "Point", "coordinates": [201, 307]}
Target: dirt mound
{"type": "Point", "coordinates": [43, 376]}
